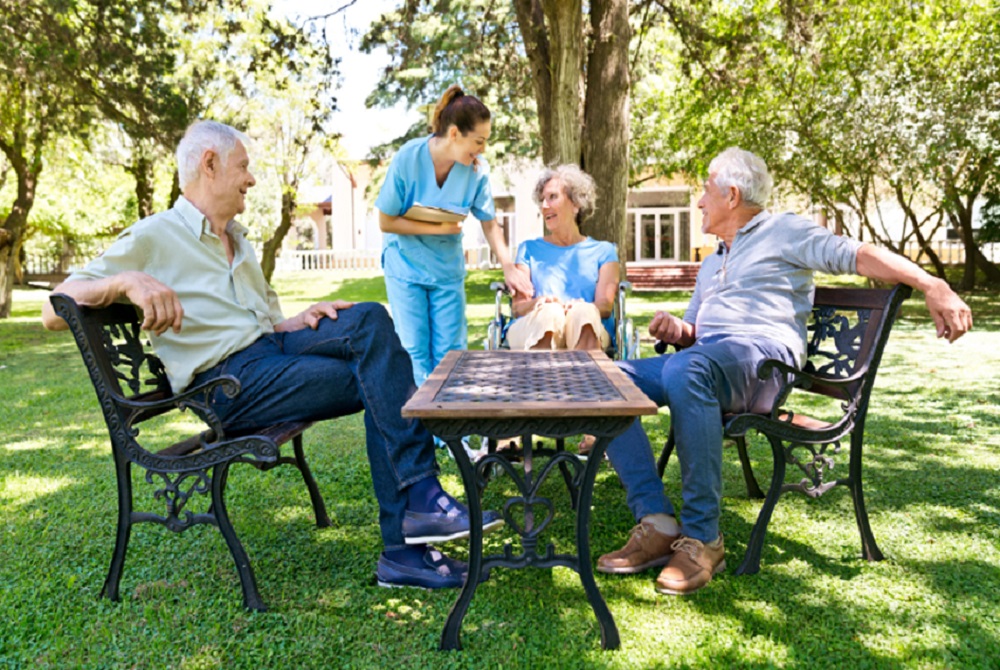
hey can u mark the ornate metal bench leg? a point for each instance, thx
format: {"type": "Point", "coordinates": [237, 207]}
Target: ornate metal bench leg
{"type": "Point", "coordinates": [869, 549]}
{"type": "Point", "coordinates": [753, 488]}
{"type": "Point", "coordinates": [751, 561]}
{"type": "Point", "coordinates": [251, 596]}
{"type": "Point", "coordinates": [123, 468]}
{"type": "Point", "coordinates": [451, 635]}
{"type": "Point", "coordinates": [319, 507]}
{"type": "Point", "coordinates": [609, 630]}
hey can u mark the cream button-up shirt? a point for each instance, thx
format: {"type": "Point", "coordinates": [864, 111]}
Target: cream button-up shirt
{"type": "Point", "coordinates": [226, 307]}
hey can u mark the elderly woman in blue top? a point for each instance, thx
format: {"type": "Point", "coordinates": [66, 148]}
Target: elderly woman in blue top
{"type": "Point", "coordinates": [574, 276]}
{"type": "Point", "coordinates": [423, 262]}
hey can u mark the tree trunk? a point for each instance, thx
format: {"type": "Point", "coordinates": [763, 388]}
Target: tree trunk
{"type": "Point", "coordinates": [12, 232]}
{"type": "Point", "coordinates": [531, 21]}
{"type": "Point", "coordinates": [175, 189]}
{"type": "Point", "coordinates": [960, 214]}
{"type": "Point", "coordinates": [925, 246]}
{"type": "Point", "coordinates": [564, 19]}
{"type": "Point", "coordinates": [606, 122]}
{"type": "Point", "coordinates": [289, 201]}
{"type": "Point", "coordinates": [142, 170]}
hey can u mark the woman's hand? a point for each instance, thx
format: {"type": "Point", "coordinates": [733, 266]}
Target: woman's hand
{"type": "Point", "coordinates": [518, 280]}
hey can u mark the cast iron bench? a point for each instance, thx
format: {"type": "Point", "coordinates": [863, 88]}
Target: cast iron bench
{"type": "Point", "coordinates": [132, 387]}
{"type": "Point", "coordinates": [848, 331]}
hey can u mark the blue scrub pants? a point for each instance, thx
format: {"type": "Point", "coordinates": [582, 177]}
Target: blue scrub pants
{"type": "Point", "coordinates": [715, 376]}
{"type": "Point", "coordinates": [429, 319]}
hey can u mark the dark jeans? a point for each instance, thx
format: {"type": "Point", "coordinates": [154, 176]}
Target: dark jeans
{"type": "Point", "coordinates": [346, 365]}
{"type": "Point", "coordinates": [716, 375]}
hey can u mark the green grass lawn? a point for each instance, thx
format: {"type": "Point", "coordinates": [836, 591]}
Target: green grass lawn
{"type": "Point", "coordinates": [933, 493]}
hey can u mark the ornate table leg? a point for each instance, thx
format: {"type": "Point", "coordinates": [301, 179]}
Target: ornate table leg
{"type": "Point", "coordinates": [609, 630]}
{"type": "Point", "coordinates": [450, 637]}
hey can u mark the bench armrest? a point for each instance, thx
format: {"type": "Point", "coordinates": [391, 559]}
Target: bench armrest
{"type": "Point", "coordinates": [194, 398]}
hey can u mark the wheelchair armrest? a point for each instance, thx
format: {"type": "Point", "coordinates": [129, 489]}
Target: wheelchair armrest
{"type": "Point", "coordinates": [661, 347]}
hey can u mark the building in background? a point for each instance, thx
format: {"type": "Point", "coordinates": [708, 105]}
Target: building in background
{"type": "Point", "coordinates": [338, 226]}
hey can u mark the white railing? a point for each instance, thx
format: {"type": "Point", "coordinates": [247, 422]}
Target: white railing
{"type": "Point", "coordinates": [327, 259]}
{"type": "Point", "coordinates": [951, 252]}
{"type": "Point", "coordinates": [312, 260]}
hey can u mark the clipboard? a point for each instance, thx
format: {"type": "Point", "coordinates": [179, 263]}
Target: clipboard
{"type": "Point", "coordinates": [433, 215]}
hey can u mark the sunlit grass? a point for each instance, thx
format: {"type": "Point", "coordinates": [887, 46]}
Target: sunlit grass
{"type": "Point", "coordinates": [933, 492]}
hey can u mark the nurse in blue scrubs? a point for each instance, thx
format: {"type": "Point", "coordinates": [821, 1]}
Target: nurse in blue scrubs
{"type": "Point", "coordinates": [423, 262]}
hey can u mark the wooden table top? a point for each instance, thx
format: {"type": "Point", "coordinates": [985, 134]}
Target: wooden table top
{"type": "Point", "coordinates": [493, 384]}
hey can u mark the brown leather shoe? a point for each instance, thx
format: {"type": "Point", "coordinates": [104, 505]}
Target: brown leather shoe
{"type": "Point", "coordinates": [693, 565]}
{"type": "Point", "coordinates": [646, 548]}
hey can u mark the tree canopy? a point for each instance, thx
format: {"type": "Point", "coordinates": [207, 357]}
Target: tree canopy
{"type": "Point", "coordinates": [851, 103]}
{"type": "Point", "coordinates": [123, 79]}
{"type": "Point", "coordinates": [554, 76]}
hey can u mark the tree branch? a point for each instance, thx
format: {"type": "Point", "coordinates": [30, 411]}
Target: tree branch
{"type": "Point", "coordinates": [342, 8]}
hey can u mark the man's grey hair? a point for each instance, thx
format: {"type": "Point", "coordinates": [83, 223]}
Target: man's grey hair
{"type": "Point", "coordinates": [202, 136]}
{"type": "Point", "coordinates": [578, 186]}
{"type": "Point", "coordinates": [744, 170]}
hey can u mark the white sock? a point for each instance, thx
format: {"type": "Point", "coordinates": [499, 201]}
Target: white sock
{"type": "Point", "coordinates": [663, 523]}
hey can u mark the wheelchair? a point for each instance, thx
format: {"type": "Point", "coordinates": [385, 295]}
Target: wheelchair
{"type": "Point", "coordinates": [624, 346]}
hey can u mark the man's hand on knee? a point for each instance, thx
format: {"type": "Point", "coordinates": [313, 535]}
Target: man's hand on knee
{"type": "Point", "coordinates": [311, 316]}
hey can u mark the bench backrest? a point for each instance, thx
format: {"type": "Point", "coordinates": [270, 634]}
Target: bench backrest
{"type": "Point", "coordinates": [847, 334]}
{"type": "Point", "coordinates": [130, 381]}
{"type": "Point", "coordinates": [116, 352]}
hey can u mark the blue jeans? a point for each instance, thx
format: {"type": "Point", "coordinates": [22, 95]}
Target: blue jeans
{"type": "Point", "coordinates": [430, 321]}
{"type": "Point", "coordinates": [715, 376]}
{"type": "Point", "coordinates": [346, 365]}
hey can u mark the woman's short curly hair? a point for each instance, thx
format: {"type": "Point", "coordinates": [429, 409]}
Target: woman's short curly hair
{"type": "Point", "coordinates": [578, 186]}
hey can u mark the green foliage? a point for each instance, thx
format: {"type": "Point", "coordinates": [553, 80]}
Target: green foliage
{"type": "Point", "coordinates": [932, 493]}
{"type": "Point", "coordinates": [475, 43]}
{"type": "Point", "coordinates": [849, 103]}
{"type": "Point", "coordinates": [989, 230]}
{"type": "Point", "coordinates": [94, 96]}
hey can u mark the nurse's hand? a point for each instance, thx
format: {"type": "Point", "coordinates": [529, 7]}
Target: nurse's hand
{"type": "Point", "coordinates": [518, 281]}
{"type": "Point", "coordinates": [449, 228]}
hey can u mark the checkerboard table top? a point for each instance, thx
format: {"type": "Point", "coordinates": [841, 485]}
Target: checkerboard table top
{"type": "Point", "coordinates": [527, 383]}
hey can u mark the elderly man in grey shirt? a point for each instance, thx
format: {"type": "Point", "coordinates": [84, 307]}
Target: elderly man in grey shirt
{"type": "Point", "coordinates": [750, 303]}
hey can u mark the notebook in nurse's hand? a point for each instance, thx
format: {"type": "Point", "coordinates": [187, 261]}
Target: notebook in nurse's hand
{"type": "Point", "coordinates": [433, 215]}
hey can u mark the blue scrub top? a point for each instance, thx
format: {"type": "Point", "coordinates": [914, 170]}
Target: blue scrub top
{"type": "Point", "coordinates": [410, 180]}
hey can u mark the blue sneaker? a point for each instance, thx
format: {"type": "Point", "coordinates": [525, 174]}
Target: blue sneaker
{"type": "Point", "coordinates": [441, 572]}
{"type": "Point", "coordinates": [449, 522]}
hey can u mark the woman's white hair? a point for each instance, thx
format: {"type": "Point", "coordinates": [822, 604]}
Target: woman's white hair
{"type": "Point", "coordinates": [744, 170]}
{"type": "Point", "coordinates": [202, 136]}
{"type": "Point", "coordinates": [578, 186]}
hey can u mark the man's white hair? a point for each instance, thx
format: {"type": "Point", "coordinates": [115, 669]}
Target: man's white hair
{"type": "Point", "coordinates": [202, 136]}
{"type": "Point", "coordinates": [744, 170]}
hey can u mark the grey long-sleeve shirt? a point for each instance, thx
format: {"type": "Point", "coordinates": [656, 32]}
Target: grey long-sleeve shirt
{"type": "Point", "coordinates": [763, 285]}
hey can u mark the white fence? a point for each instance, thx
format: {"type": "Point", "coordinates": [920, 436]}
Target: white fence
{"type": "Point", "coordinates": [327, 259]}
{"type": "Point", "coordinates": [951, 252]}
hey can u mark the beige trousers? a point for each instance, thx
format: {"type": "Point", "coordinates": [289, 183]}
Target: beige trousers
{"type": "Point", "coordinates": [565, 322]}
